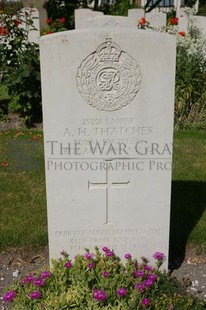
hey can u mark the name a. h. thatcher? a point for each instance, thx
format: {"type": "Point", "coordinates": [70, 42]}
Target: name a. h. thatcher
{"type": "Point", "coordinates": [141, 148]}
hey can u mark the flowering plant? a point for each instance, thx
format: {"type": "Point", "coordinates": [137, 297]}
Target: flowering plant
{"type": "Point", "coordinates": [143, 23]}
{"type": "Point", "coordinates": [190, 88]}
{"type": "Point", "coordinates": [55, 25]}
{"type": "Point", "coordinates": [173, 21]}
{"type": "Point", "coordinates": [19, 65]}
{"type": "Point", "coordinates": [99, 281]}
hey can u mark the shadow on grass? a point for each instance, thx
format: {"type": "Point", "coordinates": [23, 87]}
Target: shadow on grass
{"type": "Point", "coordinates": [187, 206]}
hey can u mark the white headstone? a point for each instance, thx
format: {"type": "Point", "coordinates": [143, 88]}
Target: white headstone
{"type": "Point", "coordinates": [81, 16]}
{"type": "Point", "coordinates": [28, 14]}
{"type": "Point", "coordinates": [183, 22]}
{"type": "Point", "coordinates": [136, 13]}
{"type": "Point", "coordinates": [200, 22]}
{"type": "Point", "coordinates": [111, 21]}
{"type": "Point", "coordinates": [156, 19]}
{"type": "Point", "coordinates": [108, 97]}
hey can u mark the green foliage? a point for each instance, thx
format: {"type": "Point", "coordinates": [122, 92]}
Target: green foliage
{"type": "Point", "coordinates": [20, 65]}
{"type": "Point", "coordinates": [4, 102]}
{"type": "Point", "coordinates": [55, 26]}
{"type": "Point", "coordinates": [100, 281]}
{"type": "Point", "coordinates": [190, 3]}
{"type": "Point", "coordinates": [120, 7]}
{"type": "Point", "coordinates": [202, 10]}
{"type": "Point", "coordinates": [10, 7]}
{"type": "Point", "coordinates": [62, 9]}
{"type": "Point", "coordinates": [190, 103]}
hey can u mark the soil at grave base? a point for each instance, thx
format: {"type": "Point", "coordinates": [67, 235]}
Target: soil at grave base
{"type": "Point", "coordinates": [18, 262]}
{"type": "Point", "coordinates": [13, 121]}
{"type": "Point", "coordinates": [15, 263]}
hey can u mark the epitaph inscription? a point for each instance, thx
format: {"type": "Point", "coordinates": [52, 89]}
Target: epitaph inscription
{"type": "Point", "coordinates": [109, 78]}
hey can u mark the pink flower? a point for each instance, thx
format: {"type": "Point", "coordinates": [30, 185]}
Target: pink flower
{"type": "Point", "coordinates": [88, 255]}
{"type": "Point", "coordinates": [159, 256]}
{"type": "Point", "coordinates": [35, 295]}
{"type": "Point", "coordinates": [45, 274]}
{"type": "Point", "coordinates": [91, 265]}
{"type": "Point", "coordinates": [28, 279]}
{"type": "Point", "coordinates": [105, 249]}
{"type": "Point", "coordinates": [109, 253]}
{"type": "Point", "coordinates": [39, 282]}
{"type": "Point", "coordinates": [145, 302]}
{"type": "Point", "coordinates": [152, 277]}
{"type": "Point", "coordinates": [99, 295]}
{"type": "Point", "coordinates": [68, 264]}
{"type": "Point", "coordinates": [148, 268]}
{"type": "Point", "coordinates": [106, 274]}
{"type": "Point", "coordinates": [148, 283]}
{"type": "Point", "coordinates": [138, 273]}
{"type": "Point", "coordinates": [121, 291]}
{"type": "Point", "coordinates": [140, 287]}
{"type": "Point", "coordinates": [128, 256]}
{"type": "Point", "coordinates": [9, 296]}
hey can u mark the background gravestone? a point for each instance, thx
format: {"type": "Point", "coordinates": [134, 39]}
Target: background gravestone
{"type": "Point", "coordinates": [28, 14]}
{"type": "Point", "coordinates": [81, 16]}
{"type": "Point", "coordinates": [38, 4]}
{"type": "Point", "coordinates": [156, 19]}
{"type": "Point", "coordinates": [111, 21]}
{"type": "Point", "coordinates": [108, 97]}
{"type": "Point", "coordinates": [136, 13]}
{"type": "Point", "coordinates": [200, 22]}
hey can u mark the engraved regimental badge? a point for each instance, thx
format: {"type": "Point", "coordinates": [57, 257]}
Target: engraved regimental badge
{"type": "Point", "coordinates": [109, 78]}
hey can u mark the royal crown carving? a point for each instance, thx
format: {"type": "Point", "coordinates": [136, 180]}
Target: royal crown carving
{"type": "Point", "coordinates": [109, 78]}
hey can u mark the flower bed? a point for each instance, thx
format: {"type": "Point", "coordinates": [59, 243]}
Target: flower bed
{"type": "Point", "coordinates": [100, 280]}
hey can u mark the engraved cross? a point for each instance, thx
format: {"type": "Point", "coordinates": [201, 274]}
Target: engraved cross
{"type": "Point", "coordinates": [108, 186]}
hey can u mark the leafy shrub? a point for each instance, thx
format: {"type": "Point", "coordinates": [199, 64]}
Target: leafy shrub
{"type": "Point", "coordinates": [100, 281]}
{"type": "Point", "coordinates": [20, 65]}
{"type": "Point", "coordinates": [190, 102]}
{"type": "Point", "coordinates": [10, 7]}
{"type": "Point", "coordinates": [190, 92]}
{"type": "Point", "coordinates": [55, 25]}
{"type": "Point", "coordinates": [118, 7]}
{"type": "Point", "coordinates": [62, 9]}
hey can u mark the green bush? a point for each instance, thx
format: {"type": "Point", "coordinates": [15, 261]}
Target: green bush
{"type": "Point", "coordinates": [10, 7]}
{"type": "Point", "coordinates": [20, 67]}
{"type": "Point", "coordinates": [119, 7]}
{"type": "Point", "coordinates": [62, 9]}
{"type": "Point", "coordinates": [100, 281]}
{"type": "Point", "coordinates": [190, 95]}
{"type": "Point", "coordinates": [202, 10]}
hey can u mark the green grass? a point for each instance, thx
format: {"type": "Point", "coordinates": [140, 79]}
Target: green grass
{"type": "Point", "coordinates": [3, 93]}
{"type": "Point", "coordinates": [188, 205]}
{"type": "Point", "coordinates": [23, 199]}
{"type": "Point", "coordinates": [22, 192]}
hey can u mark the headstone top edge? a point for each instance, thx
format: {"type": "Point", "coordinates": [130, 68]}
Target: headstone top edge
{"type": "Point", "coordinates": [109, 30]}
